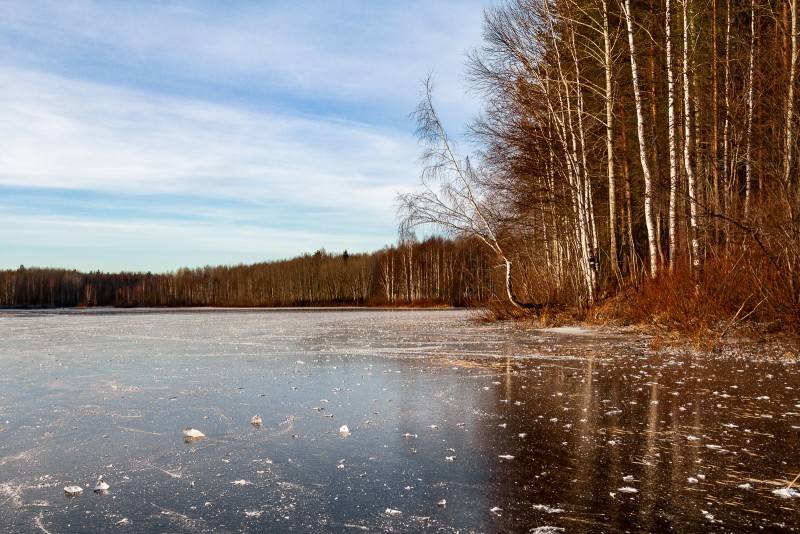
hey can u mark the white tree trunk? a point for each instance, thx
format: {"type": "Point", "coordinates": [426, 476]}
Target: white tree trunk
{"type": "Point", "coordinates": [688, 141]}
{"type": "Point", "coordinates": [789, 152]}
{"type": "Point", "coordinates": [575, 159]}
{"type": "Point", "coordinates": [673, 148]}
{"type": "Point", "coordinates": [727, 173]}
{"type": "Point", "coordinates": [612, 188]}
{"type": "Point", "coordinates": [748, 186]}
{"type": "Point", "coordinates": [585, 205]}
{"type": "Point", "coordinates": [648, 180]}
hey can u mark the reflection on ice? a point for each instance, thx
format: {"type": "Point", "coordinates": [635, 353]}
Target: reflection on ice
{"type": "Point", "coordinates": [456, 426]}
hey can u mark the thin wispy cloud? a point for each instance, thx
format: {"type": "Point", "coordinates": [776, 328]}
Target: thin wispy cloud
{"type": "Point", "coordinates": [196, 133]}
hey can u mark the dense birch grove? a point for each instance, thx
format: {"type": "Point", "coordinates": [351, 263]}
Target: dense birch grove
{"type": "Point", "coordinates": [629, 148]}
{"type": "Point", "coordinates": [432, 272]}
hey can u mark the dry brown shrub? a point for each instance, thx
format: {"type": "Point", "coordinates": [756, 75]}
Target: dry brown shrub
{"type": "Point", "coordinates": [738, 291]}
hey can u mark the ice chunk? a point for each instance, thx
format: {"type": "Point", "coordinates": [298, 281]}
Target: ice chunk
{"type": "Point", "coordinates": [73, 491]}
{"type": "Point", "coordinates": [786, 493]}
{"type": "Point", "coordinates": [100, 485]}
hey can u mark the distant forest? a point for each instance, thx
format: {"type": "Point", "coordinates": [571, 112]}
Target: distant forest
{"type": "Point", "coordinates": [634, 161]}
{"type": "Point", "coordinates": [434, 272]}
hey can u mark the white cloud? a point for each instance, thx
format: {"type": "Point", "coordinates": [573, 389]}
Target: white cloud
{"type": "Point", "coordinates": [227, 133]}
{"type": "Point", "coordinates": [77, 135]}
{"type": "Point", "coordinates": [350, 51]}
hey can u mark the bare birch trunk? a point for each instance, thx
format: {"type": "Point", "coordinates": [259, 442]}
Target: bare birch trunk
{"type": "Point", "coordinates": [586, 216]}
{"type": "Point", "coordinates": [575, 157]}
{"type": "Point", "coordinates": [727, 204]}
{"type": "Point", "coordinates": [648, 180]}
{"type": "Point", "coordinates": [789, 151]}
{"type": "Point", "coordinates": [626, 175]}
{"type": "Point", "coordinates": [688, 141]}
{"type": "Point", "coordinates": [673, 149]}
{"type": "Point", "coordinates": [715, 130]}
{"type": "Point", "coordinates": [748, 185]}
{"type": "Point", "coordinates": [612, 188]}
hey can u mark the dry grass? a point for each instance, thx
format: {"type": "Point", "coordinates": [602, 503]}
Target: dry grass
{"type": "Point", "coordinates": [735, 294]}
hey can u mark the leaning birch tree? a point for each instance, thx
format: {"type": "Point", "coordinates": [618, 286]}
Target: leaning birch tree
{"type": "Point", "coordinates": [450, 196]}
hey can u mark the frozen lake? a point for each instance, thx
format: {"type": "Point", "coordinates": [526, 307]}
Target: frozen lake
{"type": "Point", "coordinates": [454, 426]}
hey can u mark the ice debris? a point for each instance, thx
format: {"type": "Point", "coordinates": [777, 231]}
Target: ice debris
{"type": "Point", "coordinates": [548, 509]}
{"type": "Point", "coordinates": [73, 491]}
{"type": "Point", "coordinates": [786, 493]}
{"type": "Point", "coordinates": [100, 485]}
{"type": "Point", "coordinates": [192, 433]}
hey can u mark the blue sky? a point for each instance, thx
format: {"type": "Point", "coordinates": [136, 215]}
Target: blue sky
{"type": "Point", "coordinates": [154, 135]}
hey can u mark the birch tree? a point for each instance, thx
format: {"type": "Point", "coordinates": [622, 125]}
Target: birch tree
{"type": "Point", "coordinates": [609, 102]}
{"type": "Point", "coordinates": [788, 156]}
{"type": "Point", "coordinates": [688, 141]}
{"type": "Point", "coordinates": [673, 148]}
{"type": "Point", "coordinates": [648, 180]}
{"type": "Point", "coordinates": [450, 194]}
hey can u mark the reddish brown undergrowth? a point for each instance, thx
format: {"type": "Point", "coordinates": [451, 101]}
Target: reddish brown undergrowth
{"type": "Point", "coordinates": [739, 292]}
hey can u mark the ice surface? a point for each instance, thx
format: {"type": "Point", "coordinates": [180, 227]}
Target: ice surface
{"type": "Point", "coordinates": [84, 393]}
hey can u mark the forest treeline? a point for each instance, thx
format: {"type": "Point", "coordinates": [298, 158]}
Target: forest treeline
{"type": "Point", "coordinates": [435, 271]}
{"type": "Point", "coordinates": [635, 158]}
